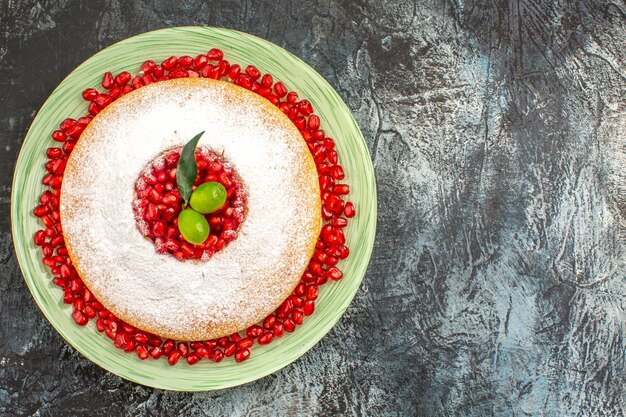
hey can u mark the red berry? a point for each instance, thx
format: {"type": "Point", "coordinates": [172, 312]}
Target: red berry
{"type": "Point", "coordinates": [215, 55]}
{"type": "Point", "coordinates": [142, 352]}
{"type": "Point", "coordinates": [122, 78]}
{"type": "Point", "coordinates": [242, 355]}
{"type": "Point", "coordinates": [90, 93]}
{"type": "Point", "coordinates": [253, 72]}
{"type": "Point", "coordinates": [107, 80]}
{"type": "Point", "coordinates": [169, 63]}
{"type": "Point", "coordinates": [147, 67]}
{"type": "Point", "coordinates": [173, 357]}
{"type": "Point", "coordinates": [348, 210]}
{"type": "Point", "coordinates": [265, 338]}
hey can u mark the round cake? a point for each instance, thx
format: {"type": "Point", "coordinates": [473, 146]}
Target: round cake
{"type": "Point", "coordinates": [240, 284]}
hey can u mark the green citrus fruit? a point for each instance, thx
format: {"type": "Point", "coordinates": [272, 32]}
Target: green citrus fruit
{"type": "Point", "coordinates": [208, 197]}
{"type": "Point", "coordinates": [193, 226]}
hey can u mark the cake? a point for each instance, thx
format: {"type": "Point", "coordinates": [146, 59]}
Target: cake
{"type": "Point", "coordinates": [240, 284]}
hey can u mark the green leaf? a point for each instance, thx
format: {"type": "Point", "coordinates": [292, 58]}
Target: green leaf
{"type": "Point", "coordinates": [187, 168]}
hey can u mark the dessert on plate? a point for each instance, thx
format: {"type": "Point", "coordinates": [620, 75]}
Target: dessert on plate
{"type": "Point", "coordinates": [194, 211]}
{"type": "Point", "coordinates": [241, 283]}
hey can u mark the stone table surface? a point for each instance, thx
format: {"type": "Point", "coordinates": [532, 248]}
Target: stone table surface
{"type": "Point", "coordinates": [498, 135]}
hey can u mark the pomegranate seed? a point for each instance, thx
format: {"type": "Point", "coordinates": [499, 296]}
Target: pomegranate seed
{"type": "Point", "coordinates": [154, 340]}
{"type": "Point", "coordinates": [46, 195]}
{"type": "Point", "coordinates": [90, 94]}
{"type": "Point", "coordinates": [100, 325]}
{"type": "Point", "coordinates": [337, 172]}
{"type": "Point", "coordinates": [180, 73]}
{"type": "Point", "coordinates": [267, 80]}
{"type": "Point", "coordinates": [332, 157]}
{"type": "Point", "coordinates": [66, 124]}
{"type": "Point", "coordinates": [312, 292]}
{"type": "Point", "coordinates": [254, 331]}
{"type": "Point", "coordinates": [40, 237]}
{"type": "Point", "coordinates": [65, 271]}
{"type": "Point", "coordinates": [300, 122]}
{"type": "Point", "coordinates": [158, 229]}
{"type": "Point", "coordinates": [147, 67]}
{"type": "Point", "coordinates": [168, 346]}
{"type": "Point", "coordinates": [146, 79]}
{"type": "Point", "coordinates": [59, 135]}
{"type": "Point", "coordinates": [79, 318]}
{"type": "Point", "coordinates": [142, 352]}
{"type": "Point", "coordinates": [314, 122]}
{"type": "Point", "coordinates": [299, 291]}
{"type": "Point", "coordinates": [122, 78]}
{"type": "Point", "coordinates": [158, 71]}
{"type": "Point", "coordinates": [305, 107]}
{"type": "Point", "coordinates": [253, 72]}
{"type": "Point", "coordinates": [245, 343]}
{"type": "Point", "coordinates": [230, 349]}
{"type": "Point", "coordinates": [93, 109]}
{"type": "Point", "coordinates": [298, 317]}
{"type": "Point", "coordinates": [107, 80]}
{"type": "Point", "coordinates": [242, 355]}
{"type": "Point", "coordinates": [309, 307]}
{"type": "Point", "coordinates": [265, 338]}
{"type": "Point", "coordinates": [280, 90]}
{"type": "Point", "coordinates": [297, 301]}
{"type": "Point", "coordinates": [279, 329]}
{"type": "Point", "coordinates": [339, 222]}
{"type": "Point", "coordinates": [269, 322]}
{"type": "Point", "coordinates": [349, 211]}
{"type": "Point", "coordinates": [223, 67]}
{"type": "Point", "coordinates": [185, 61]}
{"type": "Point", "coordinates": [234, 72]}
{"type": "Point", "coordinates": [184, 349]}
{"type": "Point", "coordinates": [292, 97]}
{"type": "Point", "coordinates": [290, 326]}
{"type": "Point", "coordinates": [334, 273]}
{"type": "Point", "coordinates": [215, 55]}
{"type": "Point", "coordinates": [244, 81]}
{"type": "Point", "coordinates": [169, 63]}
{"type": "Point", "coordinates": [156, 352]}
{"type": "Point", "coordinates": [202, 352]}
{"type": "Point", "coordinates": [341, 189]}
{"type": "Point", "coordinates": [115, 93]}
{"type": "Point", "coordinates": [216, 355]}
{"type": "Point", "coordinates": [200, 62]}
{"type": "Point", "coordinates": [102, 101]}
{"type": "Point", "coordinates": [40, 211]}
{"type": "Point", "coordinates": [193, 358]}
{"type": "Point", "coordinates": [137, 82]}
{"type": "Point", "coordinates": [307, 277]}
{"type": "Point", "coordinates": [173, 356]}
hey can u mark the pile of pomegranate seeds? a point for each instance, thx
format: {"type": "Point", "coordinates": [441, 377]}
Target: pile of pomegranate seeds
{"type": "Point", "coordinates": [330, 246]}
{"type": "Point", "coordinates": [158, 203]}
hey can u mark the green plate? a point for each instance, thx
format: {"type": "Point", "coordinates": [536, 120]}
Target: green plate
{"type": "Point", "coordinates": [240, 48]}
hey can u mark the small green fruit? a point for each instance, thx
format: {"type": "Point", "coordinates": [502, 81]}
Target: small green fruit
{"type": "Point", "coordinates": [193, 226]}
{"type": "Point", "coordinates": [208, 197]}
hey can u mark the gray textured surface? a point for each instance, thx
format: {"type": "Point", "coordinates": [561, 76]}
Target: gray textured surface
{"type": "Point", "coordinates": [497, 284]}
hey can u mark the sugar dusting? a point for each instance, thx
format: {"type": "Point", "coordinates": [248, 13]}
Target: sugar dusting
{"type": "Point", "coordinates": [241, 283]}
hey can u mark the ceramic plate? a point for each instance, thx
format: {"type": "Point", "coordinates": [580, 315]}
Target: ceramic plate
{"type": "Point", "coordinates": [240, 48]}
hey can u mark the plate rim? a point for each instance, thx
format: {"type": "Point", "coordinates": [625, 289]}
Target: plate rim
{"type": "Point", "coordinates": [22, 255]}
